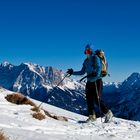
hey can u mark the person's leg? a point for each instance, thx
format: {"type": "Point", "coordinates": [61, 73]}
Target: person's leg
{"type": "Point", "coordinates": [89, 98]}
{"type": "Point", "coordinates": [98, 99]}
{"type": "Point", "coordinates": [108, 113]}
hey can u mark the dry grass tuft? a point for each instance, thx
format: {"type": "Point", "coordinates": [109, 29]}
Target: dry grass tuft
{"type": "Point", "coordinates": [35, 108]}
{"type": "Point", "coordinates": [38, 115]}
{"type": "Point", "coordinates": [19, 99]}
{"type": "Point", "coordinates": [60, 118]}
{"type": "Point", "coordinates": [47, 113]}
{"type": "Point", "coordinates": [42, 113]}
{"type": "Point", "coordinates": [2, 136]}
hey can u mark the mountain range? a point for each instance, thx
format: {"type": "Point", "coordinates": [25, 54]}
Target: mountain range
{"type": "Point", "coordinates": [40, 83]}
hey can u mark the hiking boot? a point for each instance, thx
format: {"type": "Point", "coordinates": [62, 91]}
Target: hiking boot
{"type": "Point", "coordinates": [91, 118]}
{"type": "Point", "coordinates": [108, 116]}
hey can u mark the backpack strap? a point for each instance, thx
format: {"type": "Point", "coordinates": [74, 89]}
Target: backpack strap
{"type": "Point", "coordinates": [94, 59]}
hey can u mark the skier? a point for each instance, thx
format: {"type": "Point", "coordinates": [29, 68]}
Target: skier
{"type": "Point", "coordinates": [94, 84]}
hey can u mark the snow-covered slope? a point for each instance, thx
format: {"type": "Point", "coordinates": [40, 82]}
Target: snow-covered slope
{"type": "Point", "coordinates": [17, 122]}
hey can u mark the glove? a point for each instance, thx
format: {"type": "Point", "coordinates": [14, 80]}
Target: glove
{"type": "Point", "coordinates": [70, 71]}
{"type": "Point", "coordinates": [94, 74]}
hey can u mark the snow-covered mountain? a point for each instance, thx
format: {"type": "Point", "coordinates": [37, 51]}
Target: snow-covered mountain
{"type": "Point", "coordinates": [129, 98]}
{"type": "Point", "coordinates": [124, 98]}
{"type": "Point", "coordinates": [16, 122]}
{"type": "Point", "coordinates": [38, 82]}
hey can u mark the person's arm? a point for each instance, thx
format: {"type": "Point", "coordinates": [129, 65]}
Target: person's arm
{"type": "Point", "coordinates": [81, 72]}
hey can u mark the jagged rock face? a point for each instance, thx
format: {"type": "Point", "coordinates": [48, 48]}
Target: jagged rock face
{"type": "Point", "coordinates": [27, 77]}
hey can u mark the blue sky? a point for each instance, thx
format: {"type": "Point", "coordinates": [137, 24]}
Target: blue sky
{"type": "Point", "coordinates": [55, 32]}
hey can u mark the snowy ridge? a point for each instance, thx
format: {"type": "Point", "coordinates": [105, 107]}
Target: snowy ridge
{"type": "Point", "coordinates": [16, 121]}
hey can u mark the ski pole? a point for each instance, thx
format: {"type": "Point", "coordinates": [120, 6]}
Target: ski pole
{"type": "Point", "coordinates": [98, 100]}
{"type": "Point", "coordinates": [53, 89]}
{"type": "Point", "coordinates": [87, 76]}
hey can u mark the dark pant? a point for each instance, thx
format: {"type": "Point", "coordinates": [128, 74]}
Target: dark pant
{"type": "Point", "coordinates": [92, 96]}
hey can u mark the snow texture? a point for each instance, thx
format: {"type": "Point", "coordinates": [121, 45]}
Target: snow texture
{"type": "Point", "coordinates": [17, 122]}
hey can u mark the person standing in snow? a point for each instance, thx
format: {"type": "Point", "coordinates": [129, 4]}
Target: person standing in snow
{"type": "Point", "coordinates": [94, 85]}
